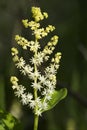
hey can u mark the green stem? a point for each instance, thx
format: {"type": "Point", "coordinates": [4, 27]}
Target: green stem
{"type": "Point", "coordinates": [36, 122]}
{"type": "Point", "coordinates": [36, 117]}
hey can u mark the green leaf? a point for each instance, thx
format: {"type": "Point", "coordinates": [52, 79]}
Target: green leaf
{"type": "Point", "coordinates": [1, 127]}
{"type": "Point", "coordinates": [9, 122]}
{"type": "Point", "coordinates": [56, 97]}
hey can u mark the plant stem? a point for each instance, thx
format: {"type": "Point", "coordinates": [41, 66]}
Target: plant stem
{"type": "Point", "coordinates": [36, 122]}
{"type": "Point", "coordinates": [36, 117]}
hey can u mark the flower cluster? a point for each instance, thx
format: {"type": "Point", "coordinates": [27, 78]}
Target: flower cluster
{"type": "Point", "coordinates": [42, 84]}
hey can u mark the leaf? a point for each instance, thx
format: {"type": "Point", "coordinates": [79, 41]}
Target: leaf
{"type": "Point", "coordinates": [1, 127]}
{"type": "Point", "coordinates": [56, 97]}
{"type": "Point", "coordinates": [9, 122]}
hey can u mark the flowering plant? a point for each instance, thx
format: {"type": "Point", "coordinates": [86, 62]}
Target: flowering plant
{"type": "Point", "coordinates": [44, 95]}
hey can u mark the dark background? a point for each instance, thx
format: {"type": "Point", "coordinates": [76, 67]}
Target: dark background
{"type": "Point", "coordinates": [70, 19]}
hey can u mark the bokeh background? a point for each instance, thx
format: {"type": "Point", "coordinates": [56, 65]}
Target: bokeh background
{"type": "Point", "coordinates": [70, 19]}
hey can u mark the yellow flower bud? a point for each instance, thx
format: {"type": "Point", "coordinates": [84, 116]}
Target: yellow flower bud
{"type": "Point", "coordinates": [45, 14]}
{"type": "Point", "coordinates": [14, 80]}
{"type": "Point", "coordinates": [15, 58]}
{"type": "Point", "coordinates": [14, 51]}
{"type": "Point", "coordinates": [17, 37]}
{"type": "Point", "coordinates": [25, 23]}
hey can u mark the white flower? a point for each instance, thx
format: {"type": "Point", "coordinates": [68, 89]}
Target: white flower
{"type": "Point", "coordinates": [46, 58]}
{"type": "Point", "coordinates": [38, 112]}
{"type": "Point", "coordinates": [20, 91]}
{"type": "Point", "coordinates": [57, 66]}
{"type": "Point", "coordinates": [44, 92]}
{"type": "Point", "coordinates": [39, 58]}
{"type": "Point", "coordinates": [42, 78]}
{"type": "Point", "coordinates": [52, 69]}
{"type": "Point", "coordinates": [35, 74]}
{"type": "Point", "coordinates": [15, 86]}
{"type": "Point", "coordinates": [29, 96]}
{"type": "Point", "coordinates": [50, 91]}
{"type": "Point", "coordinates": [37, 100]}
{"type": "Point", "coordinates": [28, 69]}
{"type": "Point", "coordinates": [32, 104]}
{"type": "Point", "coordinates": [47, 83]}
{"type": "Point", "coordinates": [48, 97]}
{"type": "Point", "coordinates": [44, 105]}
{"type": "Point", "coordinates": [36, 86]}
{"type": "Point", "coordinates": [33, 60]}
{"type": "Point", "coordinates": [24, 99]}
{"type": "Point", "coordinates": [47, 70]}
{"type": "Point", "coordinates": [35, 47]}
{"type": "Point", "coordinates": [21, 63]}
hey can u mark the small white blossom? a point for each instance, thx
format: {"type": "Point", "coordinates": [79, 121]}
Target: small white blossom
{"type": "Point", "coordinates": [28, 69]}
{"type": "Point", "coordinates": [42, 79]}
{"type": "Point", "coordinates": [52, 69]}
{"type": "Point", "coordinates": [44, 92]}
{"type": "Point", "coordinates": [39, 59]}
{"type": "Point", "coordinates": [33, 60]}
{"type": "Point", "coordinates": [29, 96]}
{"type": "Point", "coordinates": [48, 97]}
{"type": "Point", "coordinates": [37, 100]}
{"type": "Point", "coordinates": [34, 47]}
{"type": "Point", "coordinates": [38, 112]}
{"type": "Point", "coordinates": [44, 105]}
{"type": "Point", "coordinates": [24, 99]}
{"type": "Point", "coordinates": [50, 91]}
{"type": "Point", "coordinates": [35, 74]}
{"type": "Point", "coordinates": [15, 86]}
{"type": "Point", "coordinates": [36, 86]}
{"type": "Point", "coordinates": [48, 83]}
{"type": "Point", "coordinates": [21, 63]}
{"type": "Point", "coordinates": [32, 104]}
{"type": "Point", "coordinates": [20, 91]}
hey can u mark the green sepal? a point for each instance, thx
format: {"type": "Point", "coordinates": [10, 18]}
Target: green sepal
{"type": "Point", "coordinates": [56, 97]}
{"type": "Point", "coordinates": [9, 122]}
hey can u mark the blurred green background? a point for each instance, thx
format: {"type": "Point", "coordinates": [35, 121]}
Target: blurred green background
{"type": "Point", "coordinates": [70, 19]}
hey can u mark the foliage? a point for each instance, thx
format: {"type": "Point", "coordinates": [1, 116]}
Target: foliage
{"type": "Point", "coordinates": [56, 97]}
{"type": "Point", "coordinates": [9, 122]}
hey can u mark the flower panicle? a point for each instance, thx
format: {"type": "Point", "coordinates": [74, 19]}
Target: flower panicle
{"type": "Point", "coordinates": [44, 84]}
